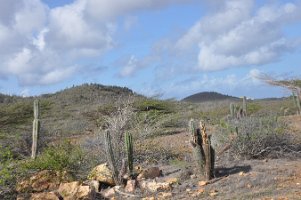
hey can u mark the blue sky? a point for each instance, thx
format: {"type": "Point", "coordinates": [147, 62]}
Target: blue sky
{"type": "Point", "coordinates": [171, 48]}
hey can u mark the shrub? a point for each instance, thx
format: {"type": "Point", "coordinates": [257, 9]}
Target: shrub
{"type": "Point", "coordinates": [6, 174]}
{"type": "Point", "coordinates": [59, 157]}
{"type": "Point", "coordinates": [257, 138]}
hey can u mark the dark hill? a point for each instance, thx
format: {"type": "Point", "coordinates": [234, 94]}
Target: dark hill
{"type": "Point", "coordinates": [208, 96]}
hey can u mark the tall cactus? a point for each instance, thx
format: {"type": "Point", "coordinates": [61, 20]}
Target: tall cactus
{"type": "Point", "coordinates": [232, 110]}
{"type": "Point", "coordinates": [244, 106]}
{"type": "Point", "coordinates": [297, 101]}
{"type": "Point", "coordinates": [196, 143]}
{"type": "Point", "coordinates": [35, 128]}
{"type": "Point", "coordinates": [129, 150]}
{"type": "Point", "coordinates": [110, 156]}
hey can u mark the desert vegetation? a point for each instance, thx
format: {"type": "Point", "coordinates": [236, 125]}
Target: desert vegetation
{"type": "Point", "coordinates": [154, 149]}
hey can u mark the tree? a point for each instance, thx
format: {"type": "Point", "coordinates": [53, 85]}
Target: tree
{"type": "Point", "coordinates": [293, 84]}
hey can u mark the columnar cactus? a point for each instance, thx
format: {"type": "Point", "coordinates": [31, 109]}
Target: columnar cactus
{"type": "Point", "coordinates": [35, 128]}
{"type": "Point", "coordinates": [196, 143]}
{"type": "Point", "coordinates": [209, 152]}
{"type": "Point", "coordinates": [244, 106]}
{"type": "Point", "coordinates": [296, 96]}
{"type": "Point", "coordinates": [110, 156]}
{"type": "Point", "coordinates": [129, 150]}
{"type": "Point", "coordinates": [232, 110]}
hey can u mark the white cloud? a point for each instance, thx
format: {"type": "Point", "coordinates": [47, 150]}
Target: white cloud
{"type": "Point", "coordinates": [239, 35]}
{"type": "Point", "coordinates": [40, 45]}
{"type": "Point", "coordinates": [130, 68]}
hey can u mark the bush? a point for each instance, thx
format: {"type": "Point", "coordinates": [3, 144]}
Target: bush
{"type": "Point", "coordinates": [6, 174]}
{"type": "Point", "coordinates": [257, 138]}
{"type": "Point", "coordinates": [60, 157]}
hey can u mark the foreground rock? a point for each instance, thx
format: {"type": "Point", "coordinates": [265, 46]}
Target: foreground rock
{"type": "Point", "coordinates": [153, 186]}
{"type": "Point", "coordinates": [149, 173]}
{"type": "Point", "coordinates": [103, 174]}
{"type": "Point", "coordinates": [74, 190]}
{"type": "Point", "coordinates": [45, 196]}
{"type": "Point", "coordinates": [45, 180]}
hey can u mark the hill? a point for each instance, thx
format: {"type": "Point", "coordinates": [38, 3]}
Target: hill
{"type": "Point", "coordinates": [71, 111]}
{"type": "Point", "coordinates": [208, 96]}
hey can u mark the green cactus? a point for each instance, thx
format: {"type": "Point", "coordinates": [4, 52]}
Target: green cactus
{"type": "Point", "coordinates": [35, 128]}
{"type": "Point", "coordinates": [110, 156]}
{"type": "Point", "coordinates": [232, 110]}
{"type": "Point", "coordinates": [197, 146]}
{"type": "Point", "coordinates": [129, 150]}
{"type": "Point", "coordinates": [297, 101]}
{"type": "Point", "coordinates": [244, 106]}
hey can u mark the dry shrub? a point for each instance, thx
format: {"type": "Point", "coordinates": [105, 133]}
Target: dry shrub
{"type": "Point", "coordinates": [258, 138]}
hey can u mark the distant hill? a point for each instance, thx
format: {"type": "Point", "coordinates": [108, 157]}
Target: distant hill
{"type": "Point", "coordinates": [208, 96]}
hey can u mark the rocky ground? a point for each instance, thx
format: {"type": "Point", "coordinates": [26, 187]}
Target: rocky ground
{"type": "Point", "coordinates": [234, 179]}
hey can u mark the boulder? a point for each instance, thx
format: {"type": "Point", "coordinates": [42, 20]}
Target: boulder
{"type": "Point", "coordinates": [110, 192]}
{"type": "Point", "coordinates": [76, 191]}
{"type": "Point", "coordinates": [154, 186]}
{"type": "Point", "coordinates": [45, 196]}
{"type": "Point", "coordinates": [130, 186]}
{"type": "Point", "coordinates": [43, 181]}
{"type": "Point", "coordinates": [103, 174]}
{"type": "Point", "coordinates": [150, 173]}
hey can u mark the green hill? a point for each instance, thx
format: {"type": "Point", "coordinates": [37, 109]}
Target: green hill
{"type": "Point", "coordinates": [208, 96]}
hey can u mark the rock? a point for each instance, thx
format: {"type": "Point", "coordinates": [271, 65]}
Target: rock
{"type": "Point", "coordinates": [85, 192]}
{"type": "Point", "coordinates": [165, 195]}
{"type": "Point", "coordinates": [148, 198]}
{"type": "Point", "coordinates": [150, 173]}
{"type": "Point", "coordinates": [45, 196]}
{"type": "Point", "coordinates": [198, 193]}
{"type": "Point", "coordinates": [94, 185]}
{"type": "Point", "coordinates": [110, 192]}
{"type": "Point", "coordinates": [42, 181]}
{"type": "Point", "coordinates": [74, 191]}
{"type": "Point", "coordinates": [130, 185]}
{"type": "Point", "coordinates": [213, 193]}
{"type": "Point", "coordinates": [68, 190]}
{"type": "Point", "coordinates": [172, 181]}
{"type": "Point", "coordinates": [202, 183]}
{"type": "Point", "coordinates": [154, 186]}
{"type": "Point", "coordinates": [193, 176]}
{"type": "Point", "coordinates": [102, 174]}
{"type": "Point", "coordinates": [23, 196]}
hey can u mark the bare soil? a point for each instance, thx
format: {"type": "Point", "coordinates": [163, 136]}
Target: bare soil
{"type": "Point", "coordinates": [235, 179]}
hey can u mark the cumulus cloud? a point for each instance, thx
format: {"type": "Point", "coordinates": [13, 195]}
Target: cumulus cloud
{"type": "Point", "coordinates": [238, 34]}
{"type": "Point", "coordinates": [41, 45]}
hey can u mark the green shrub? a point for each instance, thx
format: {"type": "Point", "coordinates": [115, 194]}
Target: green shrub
{"type": "Point", "coordinates": [154, 105]}
{"type": "Point", "coordinates": [60, 157]}
{"type": "Point", "coordinates": [6, 171]}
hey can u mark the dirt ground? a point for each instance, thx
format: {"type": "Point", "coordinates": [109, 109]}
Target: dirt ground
{"type": "Point", "coordinates": [235, 179]}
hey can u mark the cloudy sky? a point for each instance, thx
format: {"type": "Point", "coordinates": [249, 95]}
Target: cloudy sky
{"type": "Point", "coordinates": [169, 47]}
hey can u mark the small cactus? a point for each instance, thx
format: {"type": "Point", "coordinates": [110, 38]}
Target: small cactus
{"type": "Point", "coordinates": [232, 110]}
{"type": "Point", "coordinates": [129, 150]}
{"type": "Point", "coordinates": [297, 101]}
{"type": "Point", "coordinates": [110, 156]}
{"type": "Point", "coordinates": [35, 128]}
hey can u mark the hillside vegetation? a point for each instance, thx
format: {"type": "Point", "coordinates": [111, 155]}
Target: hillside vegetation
{"type": "Point", "coordinates": [74, 120]}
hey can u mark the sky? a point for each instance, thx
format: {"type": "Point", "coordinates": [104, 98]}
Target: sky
{"type": "Point", "coordinates": [165, 48]}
